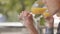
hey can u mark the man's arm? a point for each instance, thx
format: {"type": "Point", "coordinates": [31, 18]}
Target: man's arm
{"type": "Point", "coordinates": [32, 29]}
{"type": "Point", "coordinates": [28, 22]}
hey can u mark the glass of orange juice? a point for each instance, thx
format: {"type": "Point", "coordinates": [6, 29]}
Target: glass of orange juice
{"type": "Point", "coordinates": [40, 8]}
{"type": "Point", "coordinates": [41, 11]}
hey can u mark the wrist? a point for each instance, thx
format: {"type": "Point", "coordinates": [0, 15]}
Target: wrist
{"type": "Point", "coordinates": [28, 23]}
{"type": "Point", "coordinates": [32, 29]}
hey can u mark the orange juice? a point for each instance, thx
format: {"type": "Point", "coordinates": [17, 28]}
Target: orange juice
{"type": "Point", "coordinates": [46, 14]}
{"type": "Point", "coordinates": [40, 11]}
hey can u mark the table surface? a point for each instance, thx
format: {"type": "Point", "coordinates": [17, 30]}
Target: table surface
{"type": "Point", "coordinates": [11, 24]}
{"type": "Point", "coordinates": [15, 24]}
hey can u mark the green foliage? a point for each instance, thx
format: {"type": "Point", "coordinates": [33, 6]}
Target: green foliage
{"type": "Point", "coordinates": [42, 21]}
{"type": "Point", "coordinates": [11, 8]}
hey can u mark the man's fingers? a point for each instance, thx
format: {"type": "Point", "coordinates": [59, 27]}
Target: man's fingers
{"type": "Point", "coordinates": [25, 16]}
{"type": "Point", "coordinates": [30, 16]}
{"type": "Point", "coordinates": [20, 16]}
{"type": "Point", "coordinates": [25, 13]}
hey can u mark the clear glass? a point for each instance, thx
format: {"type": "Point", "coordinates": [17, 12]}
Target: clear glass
{"type": "Point", "coordinates": [38, 8]}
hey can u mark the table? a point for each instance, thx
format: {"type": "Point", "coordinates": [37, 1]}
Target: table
{"type": "Point", "coordinates": [11, 24]}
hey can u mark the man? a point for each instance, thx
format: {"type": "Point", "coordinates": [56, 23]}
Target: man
{"type": "Point", "coordinates": [53, 7]}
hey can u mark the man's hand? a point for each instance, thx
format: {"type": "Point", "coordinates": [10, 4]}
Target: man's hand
{"type": "Point", "coordinates": [27, 18]}
{"type": "Point", "coordinates": [50, 21]}
{"type": "Point", "coordinates": [28, 22]}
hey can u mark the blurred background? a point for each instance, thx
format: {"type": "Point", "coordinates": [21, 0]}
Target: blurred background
{"type": "Point", "coordinates": [9, 11]}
